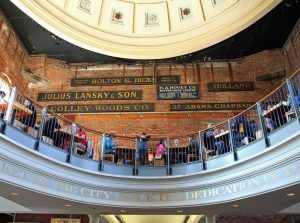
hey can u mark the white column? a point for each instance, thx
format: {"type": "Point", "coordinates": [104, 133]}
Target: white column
{"type": "Point", "coordinates": [94, 219]}
{"type": "Point", "coordinates": [210, 219]}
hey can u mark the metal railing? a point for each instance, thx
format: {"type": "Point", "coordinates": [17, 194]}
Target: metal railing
{"type": "Point", "coordinates": [256, 123]}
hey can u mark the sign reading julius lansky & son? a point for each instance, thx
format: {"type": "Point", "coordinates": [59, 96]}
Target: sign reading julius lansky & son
{"type": "Point", "coordinates": [230, 86]}
{"type": "Point", "coordinates": [112, 81]}
{"type": "Point", "coordinates": [210, 106]}
{"type": "Point", "coordinates": [101, 108]}
{"type": "Point", "coordinates": [177, 92]}
{"type": "Point", "coordinates": [90, 95]}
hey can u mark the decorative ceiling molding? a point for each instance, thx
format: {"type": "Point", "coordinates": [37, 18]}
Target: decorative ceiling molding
{"type": "Point", "coordinates": [148, 29]}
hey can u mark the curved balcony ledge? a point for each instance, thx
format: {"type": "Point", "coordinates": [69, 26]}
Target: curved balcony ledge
{"type": "Point", "coordinates": [268, 169]}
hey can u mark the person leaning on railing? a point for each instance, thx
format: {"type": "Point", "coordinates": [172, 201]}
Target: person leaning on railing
{"type": "Point", "coordinates": [29, 120]}
{"type": "Point", "coordinates": [210, 142]}
{"type": "Point", "coordinates": [161, 151]}
{"type": "Point", "coordinates": [109, 146]}
{"type": "Point", "coordinates": [80, 143]}
{"type": "Point", "coordinates": [48, 129]}
{"type": "Point", "coordinates": [142, 147]}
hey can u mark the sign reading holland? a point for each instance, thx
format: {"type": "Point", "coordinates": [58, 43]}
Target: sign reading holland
{"type": "Point", "coordinates": [230, 86]}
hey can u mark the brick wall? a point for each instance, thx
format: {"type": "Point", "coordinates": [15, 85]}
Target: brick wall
{"type": "Point", "coordinates": [291, 50]}
{"type": "Point", "coordinates": [244, 69]}
{"type": "Point", "coordinates": [13, 56]}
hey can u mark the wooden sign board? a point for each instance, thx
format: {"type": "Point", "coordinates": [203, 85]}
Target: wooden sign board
{"type": "Point", "coordinates": [114, 81]}
{"type": "Point", "coordinates": [103, 108]}
{"type": "Point", "coordinates": [230, 86]}
{"type": "Point", "coordinates": [210, 106]}
{"type": "Point", "coordinates": [174, 79]}
{"type": "Point", "coordinates": [90, 95]}
{"type": "Point", "coordinates": [177, 92]}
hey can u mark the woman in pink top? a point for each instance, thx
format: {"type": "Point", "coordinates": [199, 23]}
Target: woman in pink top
{"type": "Point", "coordinates": [160, 150]}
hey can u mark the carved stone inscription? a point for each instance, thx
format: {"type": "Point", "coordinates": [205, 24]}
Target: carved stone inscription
{"type": "Point", "coordinates": [25, 177]}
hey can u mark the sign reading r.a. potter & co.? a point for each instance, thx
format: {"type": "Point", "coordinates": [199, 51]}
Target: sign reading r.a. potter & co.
{"type": "Point", "coordinates": [230, 86]}
{"type": "Point", "coordinates": [90, 95]}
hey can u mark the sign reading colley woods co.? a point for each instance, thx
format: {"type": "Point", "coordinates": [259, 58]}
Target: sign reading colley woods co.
{"type": "Point", "coordinates": [230, 86]}
{"type": "Point", "coordinates": [101, 108]}
{"type": "Point", "coordinates": [210, 106]}
{"type": "Point", "coordinates": [177, 92]}
{"type": "Point", "coordinates": [111, 81]}
{"type": "Point", "coordinates": [90, 95]}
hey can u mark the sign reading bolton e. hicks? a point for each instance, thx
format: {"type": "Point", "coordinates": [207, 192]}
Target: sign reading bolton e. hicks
{"type": "Point", "coordinates": [111, 81]}
{"type": "Point", "coordinates": [210, 106]}
{"type": "Point", "coordinates": [90, 95]}
{"type": "Point", "coordinates": [230, 86]}
{"type": "Point", "coordinates": [177, 92]}
{"type": "Point", "coordinates": [101, 108]}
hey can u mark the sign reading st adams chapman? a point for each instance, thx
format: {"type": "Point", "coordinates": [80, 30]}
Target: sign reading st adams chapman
{"type": "Point", "coordinates": [102, 108]}
{"type": "Point", "coordinates": [90, 95]}
{"type": "Point", "coordinates": [230, 86]}
{"type": "Point", "coordinates": [210, 106]}
{"type": "Point", "coordinates": [111, 81]}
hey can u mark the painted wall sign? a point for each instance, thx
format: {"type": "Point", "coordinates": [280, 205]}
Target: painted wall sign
{"type": "Point", "coordinates": [101, 108]}
{"type": "Point", "coordinates": [174, 79]}
{"type": "Point", "coordinates": [111, 81]}
{"type": "Point", "coordinates": [210, 106]}
{"type": "Point", "coordinates": [230, 86]}
{"type": "Point", "coordinates": [177, 92]}
{"type": "Point", "coordinates": [90, 95]}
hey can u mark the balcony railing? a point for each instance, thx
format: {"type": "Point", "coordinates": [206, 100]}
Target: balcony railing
{"type": "Point", "coordinates": [224, 139]}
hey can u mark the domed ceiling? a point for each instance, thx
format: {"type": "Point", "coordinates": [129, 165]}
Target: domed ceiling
{"type": "Point", "coordinates": [145, 29]}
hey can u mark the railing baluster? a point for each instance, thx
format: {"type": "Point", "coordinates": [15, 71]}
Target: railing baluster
{"type": "Point", "coordinates": [72, 144]}
{"type": "Point", "coordinates": [136, 155]}
{"type": "Point", "coordinates": [294, 102]}
{"type": "Point", "coordinates": [262, 124]}
{"type": "Point", "coordinates": [169, 171]}
{"type": "Point", "coordinates": [201, 152]}
{"type": "Point", "coordinates": [10, 106]}
{"type": "Point", "coordinates": [231, 141]}
{"type": "Point", "coordinates": [101, 150]}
